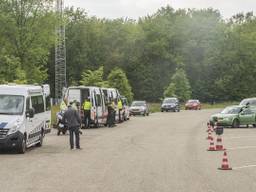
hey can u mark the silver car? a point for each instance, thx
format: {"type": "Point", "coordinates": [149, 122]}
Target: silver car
{"type": "Point", "coordinates": [139, 108]}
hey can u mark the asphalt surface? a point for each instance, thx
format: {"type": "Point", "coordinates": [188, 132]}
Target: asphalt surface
{"type": "Point", "coordinates": [165, 152]}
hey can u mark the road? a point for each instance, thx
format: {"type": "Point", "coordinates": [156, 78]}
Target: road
{"type": "Point", "coordinates": [160, 153]}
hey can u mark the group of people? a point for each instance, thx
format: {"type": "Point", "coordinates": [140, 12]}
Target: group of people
{"type": "Point", "coordinates": [73, 120]}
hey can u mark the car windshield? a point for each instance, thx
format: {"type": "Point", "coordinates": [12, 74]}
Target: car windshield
{"type": "Point", "coordinates": [11, 104]}
{"type": "Point", "coordinates": [138, 103]}
{"type": "Point", "coordinates": [192, 101]}
{"type": "Point", "coordinates": [169, 101]}
{"type": "Point", "coordinates": [250, 101]}
{"type": "Point", "coordinates": [231, 110]}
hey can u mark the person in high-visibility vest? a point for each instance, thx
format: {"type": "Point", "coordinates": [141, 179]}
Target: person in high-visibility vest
{"type": "Point", "coordinates": [87, 105]}
{"type": "Point", "coordinates": [63, 105]}
{"type": "Point", "coordinates": [120, 109]}
{"type": "Point", "coordinates": [111, 114]}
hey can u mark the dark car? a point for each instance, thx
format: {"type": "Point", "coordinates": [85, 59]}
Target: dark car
{"type": "Point", "coordinates": [139, 108]}
{"type": "Point", "coordinates": [193, 104]}
{"type": "Point", "coordinates": [170, 104]}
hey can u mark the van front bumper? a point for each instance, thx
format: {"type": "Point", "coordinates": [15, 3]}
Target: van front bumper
{"type": "Point", "coordinates": [11, 141]}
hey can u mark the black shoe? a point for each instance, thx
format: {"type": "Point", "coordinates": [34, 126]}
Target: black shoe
{"type": "Point", "coordinates": [71, 148]}
{"type": "Point", "coordinates": [79, 148]}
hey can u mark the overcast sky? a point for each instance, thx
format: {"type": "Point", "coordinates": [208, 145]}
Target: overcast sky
{"type": "Point", "coordinates": [137, 8]}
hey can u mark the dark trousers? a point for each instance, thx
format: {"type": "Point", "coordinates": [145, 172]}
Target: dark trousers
{"type": "Point", "coordinates": [110, 119]}
{"type": "Point", "coordinates": [74, 131]}
{"type": "Point", "coordinates": [87, 118]}
{"type": "Point", "coordinates": [120, 113]}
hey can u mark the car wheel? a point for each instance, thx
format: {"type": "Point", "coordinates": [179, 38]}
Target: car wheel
{"type": "Point", "coordinates": [22, 146]}
{"type": "Point", "coordinates": [162, 110]}
{"type": "Point", "coordinates": [235, 123]}
{"type": "Point", "coordinates": [40, 144]}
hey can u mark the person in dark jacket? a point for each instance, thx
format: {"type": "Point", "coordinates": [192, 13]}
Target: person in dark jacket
{"type": "Point", "coordinates": [73, 121]}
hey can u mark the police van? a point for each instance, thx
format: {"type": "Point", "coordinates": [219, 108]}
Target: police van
{"type": "Point", "coordinates": [24, 116]}
{"type": "Point", "coordinates": [112, 94]}
{"type": "Point", "coordinates": [99, 111]}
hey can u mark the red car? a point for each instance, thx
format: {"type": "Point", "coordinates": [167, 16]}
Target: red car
{"type": "Point", "coordinates": [193, 104]}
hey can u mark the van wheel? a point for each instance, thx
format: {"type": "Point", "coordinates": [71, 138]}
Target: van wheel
{"type": "Point", "coordinates": [22, 145]}
{"type": "Point", "coordinates": [40, 144]}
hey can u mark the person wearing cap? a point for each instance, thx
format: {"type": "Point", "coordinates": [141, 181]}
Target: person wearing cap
{"type": "Point", "coordinates": [87, 105]}
{"type": "Point", "coordinates": [72, 118]}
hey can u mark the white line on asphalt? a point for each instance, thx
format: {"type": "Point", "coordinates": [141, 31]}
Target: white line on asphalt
{"type": "Point", "coordinates": [240, 137]}
{"type": "Point", "coordinates": [242, 167]}
{"type": "Point", "coordinates": [243, 147]}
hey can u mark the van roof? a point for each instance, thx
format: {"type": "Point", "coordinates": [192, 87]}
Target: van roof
{"type": "Point", "coordinates": [83, 87]}
{"type": "Point", "coordinates": [20, 89]}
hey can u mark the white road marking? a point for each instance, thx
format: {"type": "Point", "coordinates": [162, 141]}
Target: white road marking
{"type": "Point", "coordinates": [243, 147]}
{"type": "Point", "coordinates": [241, 137]}
{"type": "Point", "coordinates": [242, 167]}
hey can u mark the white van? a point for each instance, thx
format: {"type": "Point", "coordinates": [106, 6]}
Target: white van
{"type": "Point", "coordinates": [24, 116]}
{"type": "Point", "coordinates": [113, 94]}
{"type": "Point", "coordinates": [99, 111]}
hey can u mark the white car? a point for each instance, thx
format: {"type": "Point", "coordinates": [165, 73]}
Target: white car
{"type": "Point", "coordinates": [139, 108]}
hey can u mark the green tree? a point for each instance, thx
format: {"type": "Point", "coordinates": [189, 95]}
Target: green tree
{"type": "Point", "coordinates": [93, 78]}
{"type": "Point", "coordinates": [27, 34]}
{"type": "Point", "coordinates": [170, 90]}
{"type": "Point", "coordinates": [117, 79]}
{"type": "Point", "coordinates": [179, 85]}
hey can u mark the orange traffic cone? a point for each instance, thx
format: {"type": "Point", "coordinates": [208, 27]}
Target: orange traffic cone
{"type": "Point", "coordinates": [215, 126]}
{"type": "Point", "coordinates": [219, 146]}
{"type": "Point", "coordinates": [209, 136]}
{"type": "Point", "coordinates": [224, 165]}
{"type": "Point", "coordinates": [211, 147]}
{"type": "Point", "coordinates": [209, 127]}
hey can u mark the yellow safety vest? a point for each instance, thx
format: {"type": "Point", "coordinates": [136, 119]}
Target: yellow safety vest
{"type": "Point", "coordinates": [87, 105]}
{"type": "Point", "coordinates": [63, 106]}
{"type": "Point", "coordinates": [120, 105]}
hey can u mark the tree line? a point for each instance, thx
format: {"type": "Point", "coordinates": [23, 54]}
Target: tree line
{"type": "Point", "coordinates": [189, 53]}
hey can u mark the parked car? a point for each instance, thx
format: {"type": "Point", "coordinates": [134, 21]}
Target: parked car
{"type": "Point", "coordinates": [235, 116]}
{"type": "Point", "coordinates": [139, 108]}
{"type": "Point", "coordinates": [248, 101]}
{"type": "Point", "coordinates": [193, 104]}
{"type": "Point", "coordinates": [170, 104]}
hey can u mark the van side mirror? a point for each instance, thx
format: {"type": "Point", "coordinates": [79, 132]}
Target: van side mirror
{"type": "Point", "coordinates": [30, 113]}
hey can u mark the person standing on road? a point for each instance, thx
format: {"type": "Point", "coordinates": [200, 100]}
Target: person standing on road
{"type": "Point", "coordinates": [111, 114]}
{"type": "Point", "coordinates": [87, 105]}
{"type": "Point", "coordinates": [73, 121]}
{"type": "Point", "coordinates": [120, 109]}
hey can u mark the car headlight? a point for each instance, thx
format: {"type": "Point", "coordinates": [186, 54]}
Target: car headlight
{"type": "Point", "coordinates": [14, 129]}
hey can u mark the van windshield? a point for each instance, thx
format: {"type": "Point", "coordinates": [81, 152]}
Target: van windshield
{"type": "Point", "coordinates": [11, 104]}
